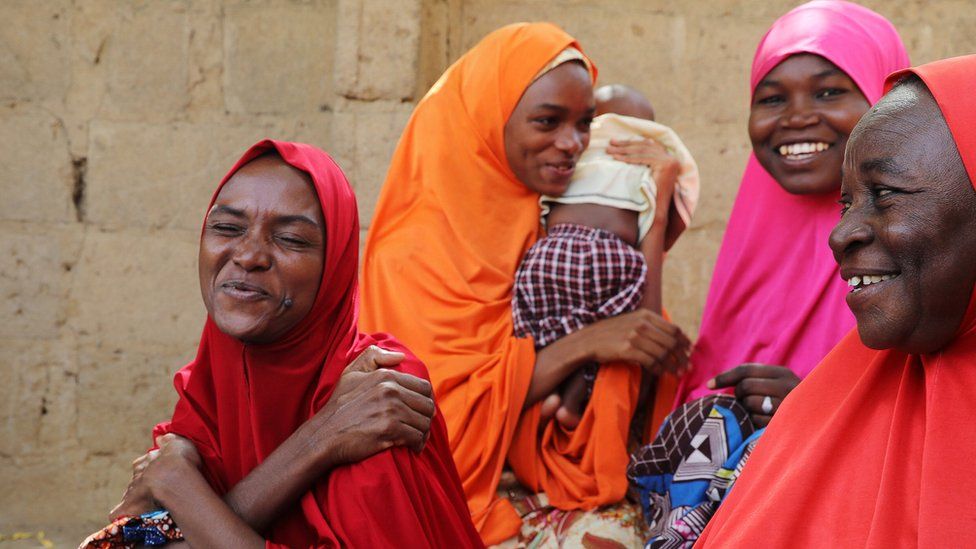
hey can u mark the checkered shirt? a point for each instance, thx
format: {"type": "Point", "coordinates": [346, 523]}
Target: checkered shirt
{"type": "Point", "coordinates": [574, 277]}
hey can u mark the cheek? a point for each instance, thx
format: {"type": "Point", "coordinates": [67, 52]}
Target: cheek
{"type": "Point", "coordinates": [760, 125]}
{"type": "Point", "coordinates": [843, 118]}
{"type": "Point", "coordinates": [301, 278]}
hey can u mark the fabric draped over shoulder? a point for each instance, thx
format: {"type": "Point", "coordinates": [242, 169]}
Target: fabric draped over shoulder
{"type": "Point", "coordinates": [773, 299]}
{"type": "Point", "coordinates": [450, 229]}
{"type": "Point", "coordinates": [871, 449]}
{"type": "Point", "coordinates": [238, 402]}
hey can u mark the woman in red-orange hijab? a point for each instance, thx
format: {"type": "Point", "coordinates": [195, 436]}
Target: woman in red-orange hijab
{"type": "Point", "coordinates": [873, 448]}
{"type": "Point", "coordinates": [460, 207]}
{"type": "Point", "coordinates": [285, 434]}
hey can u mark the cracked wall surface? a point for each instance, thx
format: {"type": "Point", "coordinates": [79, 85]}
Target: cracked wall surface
{"type": "Point", "coordinates": [118, 117]}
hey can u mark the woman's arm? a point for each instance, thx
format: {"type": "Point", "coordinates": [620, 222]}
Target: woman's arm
{"type": "Point", "coordinates": [641, 337]}
{"type": "Point", "coordinates": [418, 494]}
{"type": "Point", "coordinates": [373, 408]}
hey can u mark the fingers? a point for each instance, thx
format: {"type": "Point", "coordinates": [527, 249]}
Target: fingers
{"type": "Point", "coordinates": [730, 377]}
{"type": "Point", "coordinates": [760, 387]}
{"type": "Point", "coordinates": [760, 420]}
{"type": "Point", "coordinates": [407, 381]}
{"type": "Point", "coordinates": [754, 404]}
{"type": "Point", "coordinates": [375, 357]}
{"type": "Point", "coordinates": [418, 402]}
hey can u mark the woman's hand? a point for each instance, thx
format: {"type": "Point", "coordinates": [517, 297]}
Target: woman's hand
{"type": "Point", "coordinates": [642, 337]}
{"type": "Point", "coordinates": [372, 409]}
{"type": "Point", "coordinates": [647, 152]}
{"type": "Point", "coordinates": [753, 383]}
{"type": "Point", "coordinates": [138, 497]}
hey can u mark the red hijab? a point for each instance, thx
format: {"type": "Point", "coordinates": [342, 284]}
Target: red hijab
{"type": "Point", "coordinates": [873, 448]}
{"type": "Point", "coordinates": [239, 402]}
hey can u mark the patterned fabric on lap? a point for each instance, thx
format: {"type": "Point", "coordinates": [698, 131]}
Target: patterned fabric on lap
{"type": "Point", "coordinates": [692, 464]}
{"type": "Point", "coordinates": [127, 532]}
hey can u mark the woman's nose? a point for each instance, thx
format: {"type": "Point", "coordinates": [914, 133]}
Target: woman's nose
{"type": "Point", "coordinates": [850, 233]}
{"type": "Point", "coordinates": [251, 254]}
{"type": "Point", "coordinates": [800, 114]}
{"type": "Point", "coordinates": [570, 141]}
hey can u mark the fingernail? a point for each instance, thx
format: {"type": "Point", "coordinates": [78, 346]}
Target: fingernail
{"type": "Point", "coordinates": [710, 384]}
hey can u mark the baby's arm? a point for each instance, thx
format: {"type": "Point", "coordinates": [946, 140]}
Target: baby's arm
{"type": "Point", "coordinates": [665, 173]}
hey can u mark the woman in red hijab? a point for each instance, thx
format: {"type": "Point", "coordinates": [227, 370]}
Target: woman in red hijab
{"type": "Point", "coordinates": [281, 442]}
{"type": "Point", "coordinates": [872, 449]}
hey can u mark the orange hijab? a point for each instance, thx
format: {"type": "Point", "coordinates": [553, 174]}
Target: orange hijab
{"type": "Point", "coordinates": [450, 229]}
{"type": "Point", "coordinates": [874, 448]}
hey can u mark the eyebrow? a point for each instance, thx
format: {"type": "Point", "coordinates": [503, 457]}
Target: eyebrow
{"type": "Point", "coordinates": [821, 74]}
{"type": "Point", "coordinates": [281, 219]}
{"type": "Point", "coordinates": [885, 165]}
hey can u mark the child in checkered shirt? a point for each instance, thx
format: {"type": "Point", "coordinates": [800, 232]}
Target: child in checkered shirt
{"type": "Point", "coordinates": [632, 193]}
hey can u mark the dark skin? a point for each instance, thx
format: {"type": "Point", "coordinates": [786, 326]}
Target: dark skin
{"type": "Point", "coordinates": [264, 242]}
{"type": "Point", "coordinates": [805, 100]}
{"type": "Point", "coordinates": [567, 405]}
{"type": "Point", "coordinates": [801, 116]}
{"type": "Point", "coordinates": [544, 137]}
{"type": "Point", "coordinates": [908, 217]}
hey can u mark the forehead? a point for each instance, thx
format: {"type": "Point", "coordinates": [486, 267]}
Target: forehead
{"type": "Point", "coordinates": [802, 66]}
{"type": "Point", "coordinates": [270, 183]}
{"type": "Point", "coordinates": [565, 84]}
{"type": "Point", "coordinates": [905, 123]}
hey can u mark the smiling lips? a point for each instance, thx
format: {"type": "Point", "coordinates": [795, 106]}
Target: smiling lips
{"type": "Point", "coordinates": [243, 291]}
{"type": "Point", "coordinates": [563, 169]}
{"type": "Point", "coordinates": [859, 282]}
{"type": "Point", "coordinates": [802, 151]}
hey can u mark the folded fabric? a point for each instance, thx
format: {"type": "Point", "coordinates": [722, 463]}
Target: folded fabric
{"type": "Point", "coordinates": [127, 532]}
{"type": "Point", "coordinates": [684, 475]}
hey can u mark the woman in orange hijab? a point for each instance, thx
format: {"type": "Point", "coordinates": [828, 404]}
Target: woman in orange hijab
{"type": "Point", "coordinates": [506, 123]}
{"type": "Point", "coordinates": [871, 450]}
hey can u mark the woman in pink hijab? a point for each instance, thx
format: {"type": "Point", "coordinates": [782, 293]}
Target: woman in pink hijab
{"type": "Point", "coordinates": [776, 303]}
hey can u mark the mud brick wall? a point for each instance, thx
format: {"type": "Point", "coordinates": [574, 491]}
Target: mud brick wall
{"type": "Point", "coordinates": [118, 117]}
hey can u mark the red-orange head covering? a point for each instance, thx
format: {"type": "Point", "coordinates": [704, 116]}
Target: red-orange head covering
{"type": "Point", "coordinates": [450, 229]}
{"type": "Point", "coordinates": [238, 402]}
{"type": "Point", "coordinates": [871, 449]}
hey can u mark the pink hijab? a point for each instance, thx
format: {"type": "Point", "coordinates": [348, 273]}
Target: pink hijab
{"type": "Point", "coordinates": [776, 296]}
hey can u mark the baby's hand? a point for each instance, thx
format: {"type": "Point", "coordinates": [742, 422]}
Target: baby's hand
{"type": "Point", "coordinates": [664, 167]}
{"type": "Point", "coordinates": [573, 394]}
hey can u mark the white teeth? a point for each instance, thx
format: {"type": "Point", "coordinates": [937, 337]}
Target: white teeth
{"type": "Point", "coordinates": [795, 149]}
{"type": "Point", "coordinates": [858, 282]}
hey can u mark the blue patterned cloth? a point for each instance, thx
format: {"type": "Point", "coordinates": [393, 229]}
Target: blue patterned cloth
{"type": "Point", "coordinates": [683, 476]}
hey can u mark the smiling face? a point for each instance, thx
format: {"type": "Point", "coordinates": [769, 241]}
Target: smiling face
{"type": "Point", "coordinates": [906, 242]}
{"type": "Point", "coordinates": [262, 251]}
{"type": "Point", "coordinates": [802, 113]}
{"type": "Point", "coordinates": [550, 128]}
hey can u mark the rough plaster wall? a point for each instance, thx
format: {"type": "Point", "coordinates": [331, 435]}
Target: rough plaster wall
{"type": "Point", "coordinates": [117, 118]}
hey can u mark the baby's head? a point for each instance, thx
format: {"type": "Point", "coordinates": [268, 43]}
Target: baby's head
{"type": "Point", "coordinates": [622, 100]}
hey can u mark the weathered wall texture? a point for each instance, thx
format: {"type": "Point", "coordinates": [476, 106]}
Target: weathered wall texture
{"type": "Point", "coordinates": [117, 118]}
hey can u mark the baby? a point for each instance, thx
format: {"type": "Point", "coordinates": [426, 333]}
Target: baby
{"type": "Point", "coordinates": [593, 264]}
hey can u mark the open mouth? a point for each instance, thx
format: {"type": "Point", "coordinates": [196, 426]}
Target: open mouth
{"type": "Point", "coordinates": [562, 169]}
{"type": "Point", "coordinates": [243, 290]}
{"type": "Point", "coordinates": [858, 283]}
{"type": "Point", "coordinates": [802, 151]}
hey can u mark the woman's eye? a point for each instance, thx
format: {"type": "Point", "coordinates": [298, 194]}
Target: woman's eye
{"type": "Point", "coordinates": [844, 206]}
{"type": "Point", "coordinates": [293, 240]}
{"type": "Point", "coordinates": [831, 92]}
{"type": "Point", "coordinates": [586, 123]}
{"type": "Point", "coordinates": [769, 100]}
{"type": "Point", "coordinates": [546, 121]}
{"type": "Point", "coordinates": [226, 228]}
